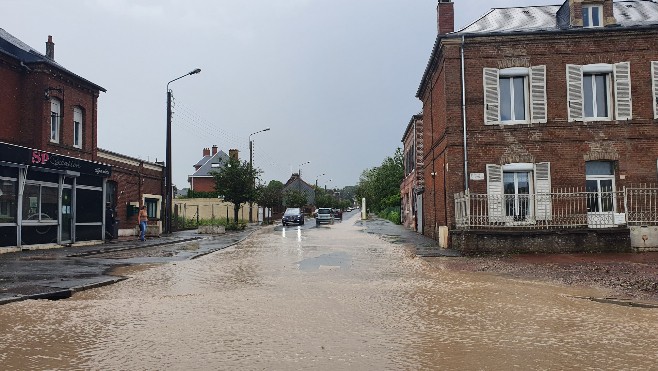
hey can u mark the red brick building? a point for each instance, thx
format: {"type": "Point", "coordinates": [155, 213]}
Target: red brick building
{"type": "Point", "coordinates": [526, 102]}
{"type": "Point", "coordinates": [412, 187]}
{"type": "Point", "coordinates": [134, 182]}
{"type": "Point", "coordinates": [53, 179]}
{"type": "Point", "coordinates": [202, 180]}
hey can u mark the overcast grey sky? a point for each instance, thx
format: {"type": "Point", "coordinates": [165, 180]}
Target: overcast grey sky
{"type": "Point", "coordinates": [334, 79]}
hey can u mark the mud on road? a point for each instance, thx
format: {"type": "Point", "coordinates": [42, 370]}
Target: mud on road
{"type": "Point", "coordinates": [631, 277]}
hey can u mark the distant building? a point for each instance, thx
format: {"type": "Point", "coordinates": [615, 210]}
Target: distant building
{"type": "Point", "coordinates": [202, 180]}
{"type": "Point", "coordinates": [298, 184]}
{"type": "Point", "coordinates": [412, 187]}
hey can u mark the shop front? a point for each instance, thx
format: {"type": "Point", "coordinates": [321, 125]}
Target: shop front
{"type": "Point", "coordinates": [47, 198]}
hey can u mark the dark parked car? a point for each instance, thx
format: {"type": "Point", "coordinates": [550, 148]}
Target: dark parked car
{"type": "Point", "coordinates": [338, 214]}
{"type": "Point", "coordinates": [293, 215]}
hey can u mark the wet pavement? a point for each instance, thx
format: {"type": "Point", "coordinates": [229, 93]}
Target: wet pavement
{"type": "Point", "coordinates": [58, 273]}
{"type": "Point", "coordinates": [330, 298]}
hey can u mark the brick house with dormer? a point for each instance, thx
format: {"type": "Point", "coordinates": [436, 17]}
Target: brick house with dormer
{"type": "Point", "coordinates": [203, 180]}
{"type": "Point", "coordinates": [535, 120]}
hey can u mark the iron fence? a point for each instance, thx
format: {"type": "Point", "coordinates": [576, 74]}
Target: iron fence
{"type": "Point", "coordinates": [560, 209]}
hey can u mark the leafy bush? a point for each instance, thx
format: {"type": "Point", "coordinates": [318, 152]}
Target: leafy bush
{"type": "Point", "coordinates": [392, 214]}
{"type": "Point", "coordinates": [182, 223]}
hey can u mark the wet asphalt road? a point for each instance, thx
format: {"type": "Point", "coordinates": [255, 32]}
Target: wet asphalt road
{"type": "Point", "coordinates": [328, 298]}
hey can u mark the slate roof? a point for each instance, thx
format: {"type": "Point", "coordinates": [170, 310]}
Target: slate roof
{"type": "Point", "coordinates": [207, 162]}
{"type": "Point", "coordinates": [13, 47]}
{"type": "Point", "coordinates": [632, 13]}
{"type": "Point", "coordinates": [547, 18]}
{"type": "Point", "coordinates": [296, 183]}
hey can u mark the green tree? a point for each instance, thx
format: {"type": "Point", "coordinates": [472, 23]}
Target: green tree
{"type": "Point", "coordinates": [380, 186]}
{"type": "Point", "coordinates": [271, 196]}
{"type": "Point", "coordinates": [323, 198]}
{"type": "Point", "coordinates": [295, 198]}
{"type": "Point", "coordinates": [235, 183]}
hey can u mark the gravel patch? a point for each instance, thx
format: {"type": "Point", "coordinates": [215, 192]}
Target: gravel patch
{"type": "Point", "coordinates": [628, 276]}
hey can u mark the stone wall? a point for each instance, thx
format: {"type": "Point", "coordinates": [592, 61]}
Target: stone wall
{"type": "Point", "coordinates": [541, 241]}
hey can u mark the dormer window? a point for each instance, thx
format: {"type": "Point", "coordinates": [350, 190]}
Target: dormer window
{"type": "Point", "coordinates": [592, 16]}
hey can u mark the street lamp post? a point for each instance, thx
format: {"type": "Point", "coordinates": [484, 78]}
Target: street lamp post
{"type": "Point", "coordinates": [325, 185]}
{"type": "Point", "coordinates": [251, 164]}
{"type": "Point", "coordinates": [169, 180]}
{"type": "Point", "coordinates": [316, 179]}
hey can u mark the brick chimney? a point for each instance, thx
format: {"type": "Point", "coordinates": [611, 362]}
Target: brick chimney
{"type": "Point", "coordinates": [206, 152]}
{"type": "Point", "coordinates": [214, 150]}
{"type": "Point", "coordinates": [445, 17]}
{"type": "Point", "coordinates": [50, 48]}
{"type": "Point", "coordinates": [233, 153]}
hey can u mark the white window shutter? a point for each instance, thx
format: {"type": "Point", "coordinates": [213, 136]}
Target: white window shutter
{"type": "Point", "coordinates": [575, 92]}
{"type": "Point", "coordinates": [623, 99]}
{"type": "Point", "coordinates": [538, 104]}
{"type": "Point", "coordinates": [543, 203]}
{"type": "Point", "coordinates": [495, 194]}
{"type": "Point", "coordinates": [654, 79]}
{"type": "Point", "coordinates": [491, 96]}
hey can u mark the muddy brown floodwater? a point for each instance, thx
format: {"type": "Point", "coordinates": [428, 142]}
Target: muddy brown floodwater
{"type": "Point", "coordinates": [328, 298]}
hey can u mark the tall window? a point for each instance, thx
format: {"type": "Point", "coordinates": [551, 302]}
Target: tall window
{"type": "Point", "coordinates": [515, 95]}
{"type": "Point", "coordinates": [111, 193]}
{"type": "Point", "coordinates": [519, 192]}
{"type": "Point", "coordinates": [55, 117]}
{"type": "Point", "coordinates": [151, 207]}
{"type": "Point", "coordinates": [592, 16]}
{"type": "Point", "coordinates": [77, 127]}
{"type": "Point", "coordinates": [512, 98]}
{"type": "Point", "coordinates": [600, 185]}
{"type": "Point", "coordinates": [596, 95]}
{"type": "Point", "coordinates": [517, 185]}
{"type": "Point", "coordinates": [8, 204]}
{"type": "Point", "coordinates": [600, 92]}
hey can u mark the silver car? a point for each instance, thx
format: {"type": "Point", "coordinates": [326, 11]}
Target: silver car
{"type": "Point", "coordinates": [324, 215]}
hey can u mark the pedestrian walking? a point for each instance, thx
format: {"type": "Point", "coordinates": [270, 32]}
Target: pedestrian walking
{"type": "Point", "coordinates": [142, 218]}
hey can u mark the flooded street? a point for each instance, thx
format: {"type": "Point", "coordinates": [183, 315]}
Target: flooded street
{"type": "Point", "coordinates": [326, 298]}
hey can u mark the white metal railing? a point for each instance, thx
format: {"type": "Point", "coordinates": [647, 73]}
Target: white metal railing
{"type": "Point", "coordinates": [642, 205]}
{"type": "Point", "coordinates": [562, 208]}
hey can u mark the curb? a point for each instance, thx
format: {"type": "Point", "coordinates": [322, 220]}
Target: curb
{"type": "Point", "coordinates": [224, 247]}
{"type": "Point", "coordinates": [134, 247]}
{"type": "Point", "coordinates": [63, 293]}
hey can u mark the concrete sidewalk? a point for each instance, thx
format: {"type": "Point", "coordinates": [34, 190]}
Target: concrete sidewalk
{"type": "Point", "coordinates": [398, 234]}
{"type": "Point", "coordinates": [58, 273]}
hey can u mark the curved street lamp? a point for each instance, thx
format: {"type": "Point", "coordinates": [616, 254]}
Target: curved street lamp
{"type": "Point", "coordinates": [169, 180]}
{"type": "Point", "coordinates": [251, 163]}
{"type": "Point", "coordinates": [300, 168]}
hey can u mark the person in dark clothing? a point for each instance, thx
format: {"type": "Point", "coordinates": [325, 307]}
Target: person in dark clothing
{"type": "Point", "coordinates": [110, 218]}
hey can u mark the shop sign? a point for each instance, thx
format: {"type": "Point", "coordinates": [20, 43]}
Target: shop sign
{"type": "Point", "coordinates": [35, 157]}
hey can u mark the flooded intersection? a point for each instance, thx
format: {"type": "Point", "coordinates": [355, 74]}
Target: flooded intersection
{"type": "Point", "coordinates": [328, 298]}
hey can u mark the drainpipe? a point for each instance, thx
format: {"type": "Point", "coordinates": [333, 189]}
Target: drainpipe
{"type": "Point", "coordinates": [466, 186]}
